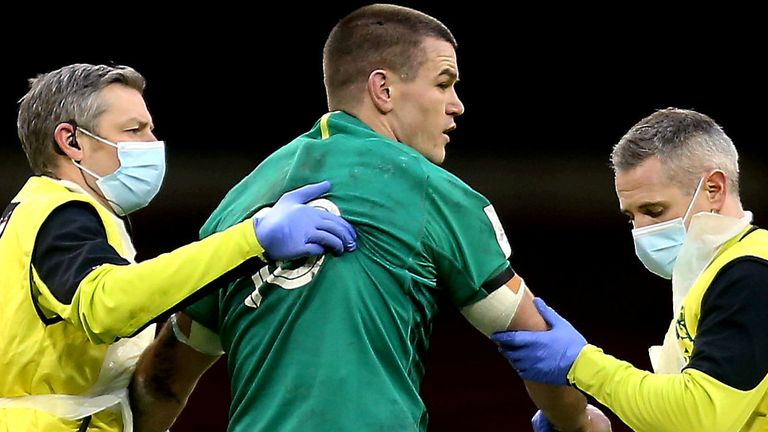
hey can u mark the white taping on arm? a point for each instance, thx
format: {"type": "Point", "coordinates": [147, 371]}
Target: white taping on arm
{"type": "Point", "coordinates": [200, 338]}
{"type": "Point", "coordinates": [495, 312]}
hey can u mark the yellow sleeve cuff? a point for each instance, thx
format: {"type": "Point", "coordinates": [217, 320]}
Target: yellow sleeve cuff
{"type": "Point", "coordinates": [589, 360]}
{"type": "Point", "coordinates": [248, 231]}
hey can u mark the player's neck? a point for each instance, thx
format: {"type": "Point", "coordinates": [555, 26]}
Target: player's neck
{"type": "Point", "coordinates": [376, 121]}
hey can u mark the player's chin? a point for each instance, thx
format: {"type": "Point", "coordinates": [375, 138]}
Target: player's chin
{"type": "Point", "coordinates": [437, 155]}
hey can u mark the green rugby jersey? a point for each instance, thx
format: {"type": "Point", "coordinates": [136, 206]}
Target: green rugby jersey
{"type": "Point", "coordinates": [337, 343]}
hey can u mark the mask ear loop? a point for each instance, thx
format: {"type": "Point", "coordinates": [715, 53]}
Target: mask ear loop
{"type": "Point", "coordinates": [83, 169]}
{"type": "Point", "coordinates": [98, 138]}
{"type": "Point", "coordinates": [693, 200]}
{"type": "Point", "coordinates": [95, 190]}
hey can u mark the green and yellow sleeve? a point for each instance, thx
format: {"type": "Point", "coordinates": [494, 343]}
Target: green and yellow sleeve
{"type": "Point", "coordinates": [115, 301]}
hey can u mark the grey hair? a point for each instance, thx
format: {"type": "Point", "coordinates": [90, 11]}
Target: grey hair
{"type": "Point", "coordinates": [69, 94]}
{"type": "Point", "coordinates": [687, 144]}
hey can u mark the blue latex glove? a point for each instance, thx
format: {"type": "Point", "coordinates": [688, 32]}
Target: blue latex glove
{"type": "Point", "coordinates": [540, 423]}
{"type": "Point", "coordinates": [542, 356]}
{"type": "Point", "coordinates": [291, 229]}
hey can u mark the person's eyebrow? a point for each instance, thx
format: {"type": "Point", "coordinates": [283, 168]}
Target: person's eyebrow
{"type": "Point", "coordinates": [450, 73]}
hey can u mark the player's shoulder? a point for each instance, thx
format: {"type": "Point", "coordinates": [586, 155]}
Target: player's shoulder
{"type": "Point", "coordinates": [444, 181]}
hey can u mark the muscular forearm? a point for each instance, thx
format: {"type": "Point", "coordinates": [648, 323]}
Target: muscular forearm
{"type": "Point", "coordinates": [565, 407]}
{"type": "Point", "coordinates": [165, 377]}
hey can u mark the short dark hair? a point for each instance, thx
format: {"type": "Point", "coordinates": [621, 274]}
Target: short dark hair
{"type": "Point", "coordinates": [379, 36]}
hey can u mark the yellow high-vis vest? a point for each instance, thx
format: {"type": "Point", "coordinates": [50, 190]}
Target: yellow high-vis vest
{"type": "Point", "coordinates": [41, 354]}
{"type": "Point", "coordinates": [64, 362]}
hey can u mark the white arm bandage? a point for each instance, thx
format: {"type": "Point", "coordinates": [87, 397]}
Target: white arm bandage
{"type": "Point", "coordinates": [495, 312]}
{"type": "Point", "coordinates": [200, 338]}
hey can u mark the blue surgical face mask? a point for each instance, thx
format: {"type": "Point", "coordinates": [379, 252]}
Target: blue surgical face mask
{"type": "Point", "coordinates": [139, 177]}
{"type": "Point", "coordinates": [658, 245]}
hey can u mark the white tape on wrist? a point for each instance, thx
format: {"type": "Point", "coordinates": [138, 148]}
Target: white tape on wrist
{"type": "Point", "coordinates": [200, 338]}
{"type": "Point", "coordinates": [495, 312]}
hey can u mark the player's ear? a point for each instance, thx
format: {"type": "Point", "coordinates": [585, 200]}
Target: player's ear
{"type": "Point", "coordinates": [380, 90]}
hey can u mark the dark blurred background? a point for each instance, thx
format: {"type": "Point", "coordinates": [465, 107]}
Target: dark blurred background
{"type": "Point", "coordinates": [548, 90]}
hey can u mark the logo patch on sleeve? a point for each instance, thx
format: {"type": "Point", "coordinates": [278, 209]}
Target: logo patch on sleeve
{"type": "Point", "coordinates": [6, 216]}
{"type": "Point", "coordinates": [501, 236]}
